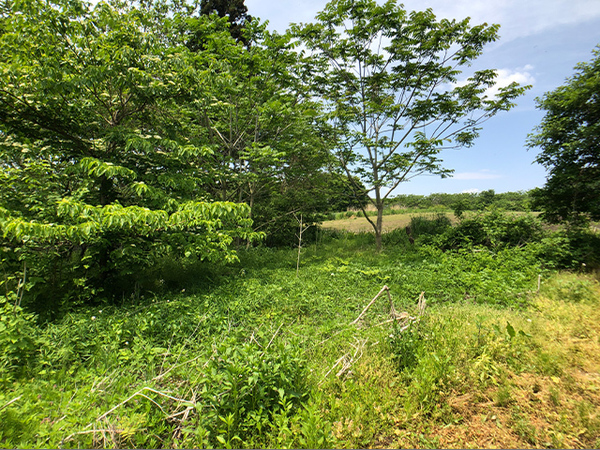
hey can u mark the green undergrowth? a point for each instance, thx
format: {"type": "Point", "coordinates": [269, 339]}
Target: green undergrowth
{"type": "Point", "coordinates": [265, 357]}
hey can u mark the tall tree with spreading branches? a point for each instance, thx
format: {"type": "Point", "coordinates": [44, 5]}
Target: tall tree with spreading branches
{"type": "Point", "coordinates": [390, 81]}
{"type": "Point", "coordinates": [235, 11]}
{"type": "Point", "coordinates": [102, 169]}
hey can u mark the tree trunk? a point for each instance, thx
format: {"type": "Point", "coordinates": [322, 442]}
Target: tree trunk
{"type": "Point", "coordinates": [251, 205]}
{"type": "Point", "coordinates": [379, 226]}
{"type": "Point", "coordinates": [379, 202]}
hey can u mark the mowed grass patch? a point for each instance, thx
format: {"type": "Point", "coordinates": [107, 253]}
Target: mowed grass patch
{"type": "Point", "coordinates": [513, 379]}
{"type": "Point", "coordinates": [358, 224]}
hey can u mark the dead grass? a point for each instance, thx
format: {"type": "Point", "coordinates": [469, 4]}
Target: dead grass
{"type": "Point", "coordinates": [531, 420]}
{"type": "Point", "coordinates": [553, 402]}
{"type": "Point", "coordinates": [358, 224]}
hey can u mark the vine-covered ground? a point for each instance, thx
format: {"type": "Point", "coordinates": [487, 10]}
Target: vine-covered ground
{"type": "Point", "coordinates": [265, 354]}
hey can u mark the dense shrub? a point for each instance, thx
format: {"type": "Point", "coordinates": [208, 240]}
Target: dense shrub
{"type": "Point", "coordinates": [17, 344]}
{"type": "Point", "coordinates": [570, 249]}
{"type": "Point", "coordinates": [492, 229]}
{"type": "Point", "coordinates": [245, 386]}
{"type": "Point", "coordinates": [426, 226]}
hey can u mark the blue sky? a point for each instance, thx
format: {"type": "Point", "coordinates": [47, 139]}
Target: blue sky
{"type": "Point", "coordinates": [540, 43]}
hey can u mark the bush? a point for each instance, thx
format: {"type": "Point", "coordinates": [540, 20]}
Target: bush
{"type": "Point", "coordinates": [246, 386]}
{"type": "Point", "coordinates": [425, 226]}
{"type": "Point", "coordinates": [570, 249]}
{"type": "Point", "coordinates": [406, 342]}
{"type": "Point", "coordinates": [493, 229]}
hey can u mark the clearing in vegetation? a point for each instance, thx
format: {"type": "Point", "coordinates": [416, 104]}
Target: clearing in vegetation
{"type": "Point", "coordinates": [505, 353]}
{"type": "Point", "coordinates": [358, 224]}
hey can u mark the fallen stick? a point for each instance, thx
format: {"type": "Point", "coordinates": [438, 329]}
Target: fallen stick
{"type": "Point", "coordinates": [94, 431]}
{"type": "Point", "coordinates": [179, 431]}
{"type": "Point", "coordinates": [384, 288]}
{"type": "Point", "coordinates": [252, 338]}
{"type": "Point", "coordinates": [347, 364]}
{"type": "Point", "coordinates": [271, 341]}
{"type": "Point", "coordinates": [404, 315]}
{"type": "Point", "coordinates": [421, 305]}
{"type": "Point", "coordinates": [10, 402]}
{"type": "Point", "coordinates": [135, 395]}
{"type": "Point", "coordinates": [158, 377]}
{"type": "Point", "coordinates": [272, 338]}
{"type": "Point", "coordinates": [331, 370]}
{"type": "Point", "coordinates": [392, 309]}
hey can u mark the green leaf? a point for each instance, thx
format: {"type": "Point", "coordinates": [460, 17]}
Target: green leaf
{"type": "Point", "coordinates": [510, 330]}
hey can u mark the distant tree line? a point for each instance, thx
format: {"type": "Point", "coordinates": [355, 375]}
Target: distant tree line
{"type": "Point", "coordinates": [466, 201]}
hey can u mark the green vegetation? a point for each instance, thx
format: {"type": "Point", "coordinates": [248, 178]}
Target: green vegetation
{"type": "Point", "coordinates": [165, 283]}
{"type": "Point", "coordinates": [568, 138]}
{"type": "Point", "coordinates": [254, 356]}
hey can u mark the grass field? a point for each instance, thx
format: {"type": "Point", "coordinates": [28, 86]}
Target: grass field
{"type": "Point", "coordinates": [258, 355]}
{"type": "Point", "coordinates": [358, 223]}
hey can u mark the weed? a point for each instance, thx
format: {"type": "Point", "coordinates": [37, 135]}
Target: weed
{"type": "Point", "coordinates": [554, 396]}
{"type": "Point", "coordinates": [524, 429]}
{"type": "Point", "coordinates": [588, 418]}
{"type": "Point", "coordinates": [570, 288]}
{"type": "Point", "coordinates": [314, 431]}
{"type": "Point", "coordinates": [549, 364]}
{"type": "Point", "coordinates": [503, 397]}
{"type": "Point", "coordinates": [406, 342]}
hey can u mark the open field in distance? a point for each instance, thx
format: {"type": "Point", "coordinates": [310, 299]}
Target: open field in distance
{"type": "Point", "coordinates": [358, 223]}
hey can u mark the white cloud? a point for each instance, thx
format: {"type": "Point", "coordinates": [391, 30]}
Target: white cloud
{"type": "Point", "coordinates": [470, 191]}
{"type": "Point", "coordinates": [281, 14]}
{"type": "Point", "coordinates": [517, 18]}
{"type": "Point", "coordinates": [481, 175]}
{"type": "Point", "coordinates": [505, 77]}
{"type": "Point", "coordinates": [521, 75]}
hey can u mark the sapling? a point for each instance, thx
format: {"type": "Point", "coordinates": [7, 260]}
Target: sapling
{"type": "Point", "coordinates": [301, 229]}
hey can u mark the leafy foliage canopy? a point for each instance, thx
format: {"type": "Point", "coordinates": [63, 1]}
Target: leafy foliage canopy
{"type": "Point", "coordinates": [569, 137]}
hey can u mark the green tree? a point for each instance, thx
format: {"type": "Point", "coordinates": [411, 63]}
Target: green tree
{"type": "Point", "coordinates": [236, 13]}
{"type": "Point", "coordinates": [486, 198]}
{"type": "Point", "coordinates": [103, 170]}
{"type": "Point", "coordinates": [569, 137]}
{"type": "Point", "coordinates": [390, 81]}
{"type": "Point", "coordinates": [269, 146]}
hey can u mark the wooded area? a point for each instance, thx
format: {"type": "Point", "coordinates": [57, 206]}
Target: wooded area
{"type": "Point", "coordinates": [134, 133]}
{"type": "Point", "coordinates": [165, 171]}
